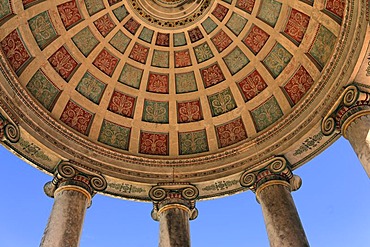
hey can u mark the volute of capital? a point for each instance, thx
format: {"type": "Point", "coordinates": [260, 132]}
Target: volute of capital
{"type": "Point", "coordinates": [68, 174]}
{"type": "Point", "coordinates": [8, 131]}
{"type": "Point", "coordinates": [174, 195]}
{"type": "Point", "coordinates": [276, 170]}
{"type": "Point", "coordinates": [353, 103]}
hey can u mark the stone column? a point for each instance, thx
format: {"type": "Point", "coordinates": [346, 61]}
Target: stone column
{"type": "Point", "coordinates": [351, 117]}
{"type": "Point", "coordinates": [173, 207]}
{"type": "Point", "coordinates": [358, 134]}
{"type": "Point", "coordinates": [72, 189]}
{"type": "Point", "coordinates": [273, 185]}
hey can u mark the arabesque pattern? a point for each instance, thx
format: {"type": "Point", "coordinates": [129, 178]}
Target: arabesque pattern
{"type": "Point", "coordinates": [122, 104]}
{"type": "Point", "coordinates": [63, 63]}
{"type": "Point", "coordinates": [43, 90]}
{"type": "Point", "coordinates": [77, 117]}
{"type": "Point", "coordinates": [153, 143]}
{"type": "Point", "coordinates": [15, 51]}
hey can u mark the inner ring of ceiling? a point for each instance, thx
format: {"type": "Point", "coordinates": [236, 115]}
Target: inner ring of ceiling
{"type": "Point", "coordinates": [170, 14]}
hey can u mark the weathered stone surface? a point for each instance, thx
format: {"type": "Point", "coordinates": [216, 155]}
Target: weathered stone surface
{"type": "Point", "coordinates": [358, 134]}
{"type": "Point", "coordinates": [283, 225]}
{"type": "Point", "coordinates": [65, 223]}
{"type": "Point", "coordinates": [174, 228]}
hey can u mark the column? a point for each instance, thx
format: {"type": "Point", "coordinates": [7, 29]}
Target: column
{"type": "Point", "coordinates": [173, 207]}
{"type": "Point", "coordinates": [358, 134]}
{"type": "Point", "coordinates": [72, 189]}
{"type": "Point", "coordinates": [351, 117]}
{"type": "Point", "coordinates": [273, 185]}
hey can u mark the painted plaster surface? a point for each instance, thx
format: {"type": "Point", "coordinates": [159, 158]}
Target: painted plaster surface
{"type": "Point", "coordinates": [94, 6]}
{"type": "Point", "coordinates": [323, 46]}
{"type": "Point", "coordinates": [179, 39]}
{"type": "Point", "coordinates": [193, 142]}
{"type": "Point", "coordinates": [63, 63]}
{"type": "Point", "coordinates": [115, 135]}
{"type": "Point", "coordinates": [131, 75]}
{"type": "Point", "coordinates": [146, 35]}
{"type": "Point", "coordinates": [269, 11]}
{"type": "Point", "coordinates": [106, 62]}
{"type": "Point", "coordinates": [85, 41]}
{"type": "Point", "coordinates": [120, 41]}
{"type": "Point", "coordinates": [185, 82]}
{"type": "Point", "coordinates": [236, 23]}
{"type": "Point", "coordinates": [209, 25]}
{"type": "Point", "coordinates": [6, 9]}
{"type": "Point", "coordinates": [70, 14]}
{"type": "Point", "coordinates": [297, 25]}
{"type": "Point", "coordinates": [42, 29]}
{"type": "Point", "coordinates": [195, 34]}
{"type": "Point", "coordinates": [266, 114]}
{"type": "Point", "coordinates": [91, 88]}
{"type": "Point", "coordinates": [154, 143]}
{"type": "Point", "coordinates": [231, 133]}
{"type": "Point", "coordinates": [189, 111]}
{"type": "Point", "coordinates": [77, 117]}
{"type": "Point", "coordinates": [122, 104]}
{"type": "Point", "coordinates": [221, 102]}
{"type": "Point", "coordinates": [120, 13]}
{"type": "Point", "coordinates": [43, 89]}
{"type": "Point", "coordinates": [155, 111]}
{"type": "Point", "coordinates": [236, 60]}
{"type": "Point", "coordinates": [104, 25]}
{"type": "Point", "coordinates": [252, 85]}
{"type": "Point", "coordinates": [256, 39]}
{"type": "Point", "coordinates": [15, 51]}
{"type": "Point", "coordinates": [246, 5]}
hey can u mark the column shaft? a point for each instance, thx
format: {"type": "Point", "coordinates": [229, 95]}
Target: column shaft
{"type": "Point", "coordinates": [283, 225]}
{"type": "Point", "coordinates": [358, 134]}
{"type": "Point", "coordinates": [174, 227]}
{"type": "Point", "coordinates": [65, 222]}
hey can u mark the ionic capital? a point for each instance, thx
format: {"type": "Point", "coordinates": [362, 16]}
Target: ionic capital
{"type": "Point", "coordinates": [68, 176]}
{"type": "Point", "coordinates": [174, 195]}
{"type": "Point", "coordinates": [277, 171]}
{"type": "Point", "coordinates": [353, 103]}
{"type": "Point", "coordinates": [8, 131]}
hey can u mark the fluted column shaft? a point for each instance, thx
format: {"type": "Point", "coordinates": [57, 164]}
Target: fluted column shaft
{"type": "Point", "coordinates": [65, 223]}
{"type": "Point", "coordinates": [174, 230]}
{"type": "Point", "coordinates": [358, 134]}
{"type": "Point", "coordinates": [284, 228]}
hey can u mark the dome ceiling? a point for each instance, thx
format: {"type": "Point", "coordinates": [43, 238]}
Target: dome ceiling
{"type": "Point", "coordinates": [154, 86]}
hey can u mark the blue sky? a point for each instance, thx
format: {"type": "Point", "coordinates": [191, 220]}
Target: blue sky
{"type": "Point", "coordinates": [333, 204]}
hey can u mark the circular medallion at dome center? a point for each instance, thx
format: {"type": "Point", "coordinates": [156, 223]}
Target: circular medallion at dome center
{"type": "Point", "coordinates": [170, 13]}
